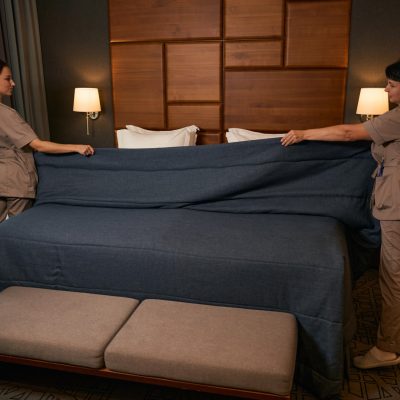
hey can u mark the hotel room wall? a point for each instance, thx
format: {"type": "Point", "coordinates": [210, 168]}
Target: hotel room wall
{"type": "Point", "coordinates": [75, 43]}
{"type": "Point", "coordinates": [374, 35]}
{"type": "Point", "coordinates": [74, 37]}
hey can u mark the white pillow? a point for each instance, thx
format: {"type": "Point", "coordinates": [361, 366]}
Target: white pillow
{"type": "Point", "coordinates": [138, 138]}
{"type": "Point", "coordinates": [191, 129]}
{"type": "Point", "coordinates": [240, 135]}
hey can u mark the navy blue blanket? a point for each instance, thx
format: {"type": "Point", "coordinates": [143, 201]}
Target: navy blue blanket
{"type": "Point", "coordinates": [326, 179]}
{"type": "Point", "coordinates": [251, 224]}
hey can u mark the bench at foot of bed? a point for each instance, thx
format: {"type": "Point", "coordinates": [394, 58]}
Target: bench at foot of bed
{"type": "Point", "coordinates": [232, 351]}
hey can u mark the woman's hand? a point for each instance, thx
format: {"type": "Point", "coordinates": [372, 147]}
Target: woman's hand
{"type": "Point", "coordinates": [292, 137]}
{"type": "Point", "coordinates": [58, 148]}
{"type": "Point", "coordinates": [85, 149]}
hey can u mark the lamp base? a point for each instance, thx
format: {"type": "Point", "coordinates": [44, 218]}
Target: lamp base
{"type": "Point", "coordinates": [93, 115]}
{"type": "Point", "coordinates": [366, 117]}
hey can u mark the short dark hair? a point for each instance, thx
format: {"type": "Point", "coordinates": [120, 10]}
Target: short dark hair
{"type": "Point", "coordinates": [2, 65]}
{"type": "Point", "coordinates": [393, 71]}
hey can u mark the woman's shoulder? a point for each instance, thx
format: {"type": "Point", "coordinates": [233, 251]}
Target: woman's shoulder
{"type": "Point", "coordinates": [6, 109]}
{"type": "Point", "coordinates": [9, 115]}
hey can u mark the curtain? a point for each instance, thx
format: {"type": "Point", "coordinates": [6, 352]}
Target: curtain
{"type": "Point", "coordinates": [21, 37]}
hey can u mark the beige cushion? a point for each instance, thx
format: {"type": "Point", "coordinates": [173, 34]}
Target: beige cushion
{"type": "Point", "coordinates": [60, 326]}
{"type": "Point", "coordinates": [222, 346]}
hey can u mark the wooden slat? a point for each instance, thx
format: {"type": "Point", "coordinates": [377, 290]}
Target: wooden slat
{"type": "Point", "coordinates": [193, 72]}
{"type": "Point", "coordinates": [144, 20]}
{"type": "Point", "coordinates": [205, 116]}
{"type": "Point", "coordinates": [283, 100]}
{"type": "Point", "coordinates": [253, 54]}
{"type": "Point", "coordinates": [318, 33]}
{"type": "Point", "coordinates": [253, 18]}
{"type": "Point", "coordinates": [209, 138]}
{"type": "Point", "coordinates": [138, 91]}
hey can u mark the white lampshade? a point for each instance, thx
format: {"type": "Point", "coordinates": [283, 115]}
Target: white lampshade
{"type": "Point", "coordinates": [87, 100]}
{"type": "Point", "coordinates": [372, 101]}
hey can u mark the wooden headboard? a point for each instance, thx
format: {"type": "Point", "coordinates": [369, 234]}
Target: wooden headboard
{"type": "Point", "coordinates": [264, 65]}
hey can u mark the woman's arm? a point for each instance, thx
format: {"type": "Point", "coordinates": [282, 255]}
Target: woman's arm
{"type": "Point", "coordinates": [51, 147]}
{"type": "Point", "coordinates": [336, 133]}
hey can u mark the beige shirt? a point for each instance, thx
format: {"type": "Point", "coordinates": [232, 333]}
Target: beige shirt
{"type": "Point", "coordinates": [18, 176]}
{"type": "Point", "coordinates": [385, 133]}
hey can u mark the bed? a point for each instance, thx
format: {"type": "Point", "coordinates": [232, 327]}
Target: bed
{"type": "Point", "coordinates": [249, 224]}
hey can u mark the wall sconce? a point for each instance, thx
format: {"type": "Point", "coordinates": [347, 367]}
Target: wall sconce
{"type": "Point", "coordinates": [372, 101]}
{"type": "Point", "coordinates": [87, 100]}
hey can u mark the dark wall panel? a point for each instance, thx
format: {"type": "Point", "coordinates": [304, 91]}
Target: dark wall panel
{"type": "Point", "coordinates": [75, 47]}
{"type": "Point", "coordinates": [374, 44]}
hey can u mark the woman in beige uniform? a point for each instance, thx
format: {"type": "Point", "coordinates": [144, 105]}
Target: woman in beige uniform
{"type": "Point", "coordinates": [384, 132]}
{"type": "Point", "coordinates": [17, 140]}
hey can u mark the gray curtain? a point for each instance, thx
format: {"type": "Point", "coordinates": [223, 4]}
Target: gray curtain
{"type": "Point", "coordinates": [20, 31]}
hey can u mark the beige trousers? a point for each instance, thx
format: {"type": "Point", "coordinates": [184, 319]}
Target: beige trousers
{"type": "Point", "coordinates": [389, 281]}
{"type": "Point", "coordinates": [12, 206]}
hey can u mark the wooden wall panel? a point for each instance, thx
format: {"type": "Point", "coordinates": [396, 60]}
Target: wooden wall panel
{"type": "Point", "coordinates": [317, 33]}
{"type": "Point", "coordinates": [253, 54]}
{"type": "Point", "coordinates": [283, 100]}
{"type": "Point", "coordinates": [194, 72]}
{"type": "Point", "coordinates": [143, 20]}
{"type": "Point", "coordinates": [209, 138]}
{"type": "Point", "coordinates": [253, 18]}
{"type": "Point", "coordinates": [206, 116]}
{"type": "Point", "coordinates": [264, 65]}
{"type": "Point", "coordinates": [138, 91]}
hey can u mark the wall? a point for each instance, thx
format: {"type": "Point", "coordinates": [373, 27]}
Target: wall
{"type": "Point", "coordinates": [74, 37]}
{"type": "Point", "coordinates": [75, 48]}
{"type": "Point", "coordinates": [375, 31]}
{"type": "Point", "coordinates": [255, 64]}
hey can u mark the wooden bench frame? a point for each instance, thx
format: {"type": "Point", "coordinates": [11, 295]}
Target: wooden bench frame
{"type": "Point", "coordinates": [150, 380]}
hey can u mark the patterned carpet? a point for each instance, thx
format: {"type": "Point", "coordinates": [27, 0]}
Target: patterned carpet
{"type": "Point", "coordinates": [24, 383]}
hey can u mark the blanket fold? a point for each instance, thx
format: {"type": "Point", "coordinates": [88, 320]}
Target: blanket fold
{"type": "Point", "coordinates": [311, 178]}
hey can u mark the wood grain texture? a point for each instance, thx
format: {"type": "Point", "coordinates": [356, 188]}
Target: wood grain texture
{"type": "Point", "coordinates": [318, 33]}
{"type": "Point", "coordinates": [138, 91]}
{"type": "Point", "coordinates": [253, 18]}
{"type": "Point", "coordinates": [284, 100]}
{"type": "Point", "coordinates": [208, 116]}
{"type": "Point", "coordinates": [253, 53]}
{"type": "Point", "coordinates": [264, 65]}
{"type": "Point", "coordinates": [194, 71]}
{"type": "Point", "coordinates": [205, 137]}
{"type": "Point", "coordinates": [144, 20]}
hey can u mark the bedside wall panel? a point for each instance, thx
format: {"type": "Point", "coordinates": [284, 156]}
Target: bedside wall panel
{"type": "Point", "coordinates": [317, 33]}
{"type": "Point", "coordinates": [281, 100]}
{"type": "Point", "coordinates": [265, 65]}
{"type": "Point", "coordinates": [253, 54]}
{"type": "Point", "coordinates": [144, 20]}
{"type": "Point", "coordinates": [208, 116]}
{"type": "Point", "coordinates": [253, 18]}
{"type": "Point", "coordinates": [138, 88]}
{"type": "Point", "coordinates": [194, 72]}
